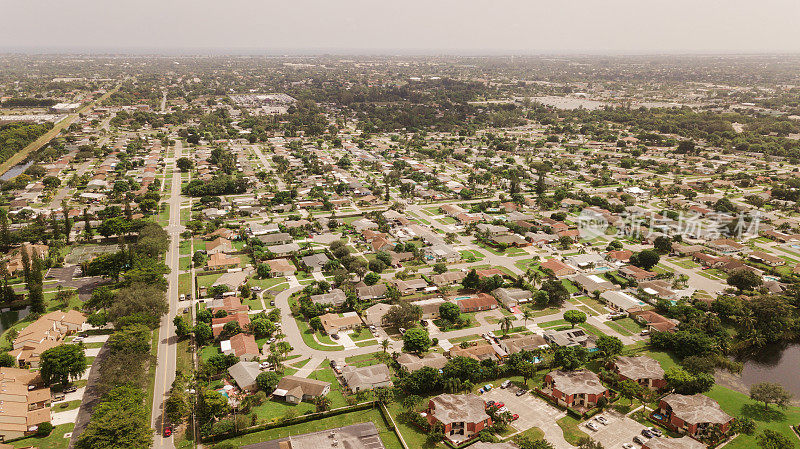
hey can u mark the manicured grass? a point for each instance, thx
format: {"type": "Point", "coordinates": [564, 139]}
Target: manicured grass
{"type": "Point", "coordinates": [66, 406]}
{"type": "Point", "coordinates": [413, 435]}
{"type": "Point", "coordinates": [553, 323]}
{"type": "Point", "coordinates": [390, 440]}
{"type": "Point", "coordinates": [185, 283]}
{"type": "Point", "coordinates": [55, 440]}
{"type": "Point", "coordinates": [571, 288]}
{"type": "Point", "coordinates": [618, 328]}
{"type": "Point", "coordinates": [571, 431]}
{"type": "Point", "coordinates": [184, 263]}
{"type": "Point", "coordinates": [308, 338]}
{"type": "Point", "coordinates": [739, 405]}
{"type": "Point", "coordinates": [533, 433]}
{"type": "Point", "coordinates": [630, 325]}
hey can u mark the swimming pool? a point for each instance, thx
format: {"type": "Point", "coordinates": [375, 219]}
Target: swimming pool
{"type": "Point", "coordinates": [771, 278]}
{"type": "Point", "coordinates": [223, 392]}
{"type": "Point", "coordinates": [462, 297]}
{"type": "Point", "coordinates": [602, 269]}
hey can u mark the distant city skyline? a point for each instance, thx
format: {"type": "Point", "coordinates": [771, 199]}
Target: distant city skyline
{"type": "Point", "coordinates": [461, 27]}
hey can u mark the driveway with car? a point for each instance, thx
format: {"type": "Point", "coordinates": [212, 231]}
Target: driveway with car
{"type": "Point", "coordinates": [620, 429]}
{"type": "Point", "coordinates": [533, 411]}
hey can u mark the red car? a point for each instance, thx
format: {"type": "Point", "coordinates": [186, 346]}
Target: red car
{"type": "Point", "coordinates": [514, 417]}
{"type": "Point", "coordinates": [167, 431]}
{"type": "Point", "coordinates": [499, 404]}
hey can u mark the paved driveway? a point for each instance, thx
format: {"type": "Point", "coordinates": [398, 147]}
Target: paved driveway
{"type": "Point", "coordinates": [620, 429]}
{"type": "Point", "coordinates": [533, 412]}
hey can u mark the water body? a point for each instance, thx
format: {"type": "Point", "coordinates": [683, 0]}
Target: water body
{"type": "Point", "coordinates": [8, 317]}
{"type": "Point", "coordinates": [15, 171]}
{"type": "Point", "coordinates": [777, 363]}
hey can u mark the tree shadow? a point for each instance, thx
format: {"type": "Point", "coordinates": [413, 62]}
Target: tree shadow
{"type": "Point", "coordinates": [757, 412]}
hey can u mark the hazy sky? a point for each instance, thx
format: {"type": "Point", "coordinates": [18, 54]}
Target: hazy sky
{"type": "Point", "coordinates": [407, 26]}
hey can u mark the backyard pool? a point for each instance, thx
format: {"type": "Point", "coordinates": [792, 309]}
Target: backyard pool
{"type": "Point", "coordinates": [462, 297]}
{"type": "Point", "coordinates": [771, 278]}
{"type": "Point", "coordinates": [602, 269]}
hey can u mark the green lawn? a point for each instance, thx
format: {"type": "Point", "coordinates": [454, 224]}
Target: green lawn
{"type": "Point", "coordinates": [390, 440]}
{"type": "Point", "coordinates": [308, 338]}
{"type": "Point", "coordinates": [55, 440]}
{"type": "Point", "coordinates": [739, 405]}
{"type": "Point", "coordinates": [571, 431]}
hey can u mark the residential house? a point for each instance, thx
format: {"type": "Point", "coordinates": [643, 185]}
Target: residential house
{"type": "Point", "coordinates": [571, 337]}
{"type": "Point", "coordinates": [429, 307]}
{"type": "Point", "coordinates": [222, 261]}
{"type": "Point", "coordinates": [620, 301]}
{"type": "Point", "coordinates": [477, 303]}
{"type": "Point", "coordinates": [217, 324]}
{"type": "Point", "coordinates": [580, 388]}
{"type": "Point", "coordinates": [219, 245]}
{"type": "Point", "coordinates": [726, 246]}
{"type": "Point", "coordinates": [244, 373]}
{"type": "Point", "coordinates": [276, 238]}
{"type": "Point", "coordinates": [294, 389]}
{"type": "Point", "coordinates": [512, 297]}
{"type": "Point", "coordinates": [281, 267]}
{"type": "Point", "coordinates": [315, 262]}
{"type": "Point", "coordinates": [593, 283]}
{"type": "Point", "coordinates": [371, 292]}
{"type": "Point", "coordinates": [519, 343]}
{"type": "Point", "coordinates": [632, 272]}
{"type": "Point", "coordinates": [559, 268]}
{"type": "Point", "coordinates": [462, 416]}
{"type": "Point", "coordinates": [24, 403]}
{"type": "Point", "coordinates": [336, 322]}
{"type": "Point", "coordinates": [335, 297]}
{"type": "Point", "coordinates": [448, 278]}
{"type": "Point", "coordinates": [373, 316]}
{"type": "Point", "coordinates": [766, 259]}
{"type": "Point", "coordinates": [245, 347]}
{"type": "Point", "coordinates": [413, 362]}
{"type": "Point", "coordinates": [653, 321]}
{"type": "Point", "coordinates": [694, 415]}
{"type": "Point", "coordinates": [480, 352]}
{"type": "Point", "coordinates": [643, 370]}
{"type": "Point", "coordinates": [367, 377]}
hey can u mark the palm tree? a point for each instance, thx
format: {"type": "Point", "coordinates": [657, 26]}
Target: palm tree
{"type": "Point", "coordinates": [452, 384]}
{"type": "Point", "coordinates": [322, 402]}
{"type": "Point", "coordinates": [505, 324]}
{"type": "Point", "coordinates": [385, 344]}
{"type": "Point", "coordinates": [467, 386]}
{"type": "Point", "coordinates": [526, 315]}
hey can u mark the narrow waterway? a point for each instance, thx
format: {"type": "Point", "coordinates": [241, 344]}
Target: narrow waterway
{"type": "Point", "coordinates": [15, 171]}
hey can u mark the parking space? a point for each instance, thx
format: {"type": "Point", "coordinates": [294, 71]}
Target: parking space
{"type": "Point", "coordinates": [532, 410]}
{"type": "Point", "coordinates": [619, 429]}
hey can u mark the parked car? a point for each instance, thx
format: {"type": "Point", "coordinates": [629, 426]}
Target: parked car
{"type": "Point", "coordinates": [502, 410]}
{"type": "Point", "coordinates": [646, 433]}
{"type": "Point", "coordinates": [505, 384]}
{"type": "Point", "coordinates": [182, 297]}
{"type": "Point", "coordinates": [639, 440]}
{"type": "Point", "coordinates": [655, 431]}
{"type": "Point", "coordinates": [489, 403]}
{"type": "Point", "coordinates": [645, 332]}
{"type": "Point", "coordinates": [71, 389]}
{"type": "Point", "coordinates": [602, 420]}
{"type": "Point", "coordinates": [335, 336]}
{"type": "Point", "coordinates": [488, 387]}
{"type": "Point", "coordinates": [521, 392]}
{"type": "Point", "coordinates": [592, 426]}
{"type": "Point", "coordinates": [514, 417]}
{"type": "Point", "coordinates": [272, 303]}
{"type": "Point", "coordinates": [628, 446]}
{"type": "Point", "coordinates": [167, 431]}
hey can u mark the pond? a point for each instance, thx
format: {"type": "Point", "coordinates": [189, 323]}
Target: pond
{"type": "Point", "coordinates": [777, 363]}
{"type": "Point", "coordinates": [8, 317]}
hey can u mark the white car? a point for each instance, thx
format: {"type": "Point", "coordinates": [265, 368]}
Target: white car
{"type": "Point", "coordinates": [505, 384]}
{"type": "Point", "coordinates": [627, 446]}
{"type": "Point", "coordinates": [592, 426]}
{"type": "Point", "coordinates": [602, 420]}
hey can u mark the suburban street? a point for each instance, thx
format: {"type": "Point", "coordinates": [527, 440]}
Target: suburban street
{"type": "Point", "coordinates": [167, 343]}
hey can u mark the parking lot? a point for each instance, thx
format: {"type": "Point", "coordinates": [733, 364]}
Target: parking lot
{"type": "Point", "coordinates": [620, 429]}
{"type": "Point", "coordinates": [533, 411]}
